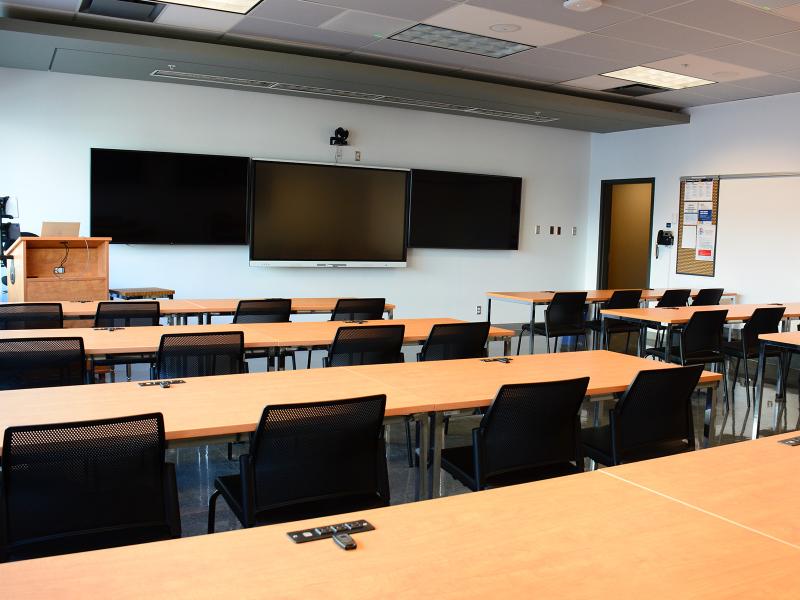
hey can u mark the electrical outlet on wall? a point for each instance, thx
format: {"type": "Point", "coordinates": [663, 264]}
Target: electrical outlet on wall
{"type": "Point", "coordinates": [358, 155]}
{"type": "Point", "coordinates": [478, 309]}
{"type": "Point", "coordinates": [574, 231]}
{"type": "Point", "coordinates": [538, 229]}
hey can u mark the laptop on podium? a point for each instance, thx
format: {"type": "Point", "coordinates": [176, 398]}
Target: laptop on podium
{"type": "Point", "coordinates": [60, 229]}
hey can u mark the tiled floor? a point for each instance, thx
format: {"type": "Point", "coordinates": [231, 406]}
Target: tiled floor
{"type": "Point", "coordinates": [197, 466]}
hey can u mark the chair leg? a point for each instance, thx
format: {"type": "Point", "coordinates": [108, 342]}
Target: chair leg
{"type": "Point", "coordinates": [212, 509]}
{"type": "Point", "coordinates": [746, 380]}
{"type": "Point", "coordinates": [725, 384]}
{"type": "Point", "coordinates": [519, 343]}
{"type": "Point", "coordinates": [128, 371]}
{"type": "Point", "coordinates": [409, 447]}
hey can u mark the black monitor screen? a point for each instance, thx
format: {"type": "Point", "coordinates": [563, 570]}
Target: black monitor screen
{"type": "Point", "coordinates": [168, 198]}
{"type": "Point", "coordinates": [464, 210]}
{"type": "Point", "coordinates": [327, 213]}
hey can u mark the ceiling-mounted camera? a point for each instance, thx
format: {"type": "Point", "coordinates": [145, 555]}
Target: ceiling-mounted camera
{"type": "Point", "coordinates": [340, 137]}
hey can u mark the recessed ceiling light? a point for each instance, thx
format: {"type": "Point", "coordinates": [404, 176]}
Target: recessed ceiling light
{"type": "Point", "coordinates": [505, 27]}
{"type": "Point", "coordinates": [450, 39]}
{"type": "Point", "coordinates": [235, 6]}
{"type": "Point", "coordinates": [657, 77]}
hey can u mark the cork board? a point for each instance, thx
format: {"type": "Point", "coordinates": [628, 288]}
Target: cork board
{"type": "Point", "coordinates": [687, 262]}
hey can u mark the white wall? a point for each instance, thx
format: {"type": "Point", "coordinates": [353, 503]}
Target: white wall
{"type": "Point", "coordinates": [757, 223]}
{"type": "Point", "coordinates": [49, 122]}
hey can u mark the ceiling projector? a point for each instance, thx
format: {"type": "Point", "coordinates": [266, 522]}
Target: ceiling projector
{"type": "Point", "coordinates": [582, 5]}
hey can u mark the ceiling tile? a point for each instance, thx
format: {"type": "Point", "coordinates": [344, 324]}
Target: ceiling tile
{"type": "Point", "coordinates": [655, 32]}
{"type": "Point", "coordinates": [613, 49]}
{"type": "Point", "coordinates": [768, 4]}
{"type": "Point", "coordinates": [361, 23]}
{"type": "Point", "coordinates": [756, 57]}
{"type": "Point", "coordinates": [771, 84]}
{"type": "Point", "coordinates": [593, 82]}
{"type": "Point", "coordinates": [705, 68]}
{"type": "Point", "coordinates": [728, 18]}
{"type": "Point", "coordinates": [415, 10]}
{"type": "Point", "coordinates": [474, 19]}
{"type": "Point", "coordinates": [419, 53]}
{"type": "Point", "coordinates": [278, 30]}
{"type": "Point", "coordinates": [680, 98]}
{"type": "Point", "coordinates": [788, 42]}
{"type": "Point", "coordinates": [295, 11]}
{"type": "Point", "coordinates": [643, 6]}
{"type": "Point", "coordinates": [530, 73]}
{"type": "Point", "coordinates": [553, 11]}
{"type": "Point", "coordinates": [576, 65]}
{"type": "Point", "coordinates": [790, 12]}
{"type": "Point", "coordinates": [197, 18]}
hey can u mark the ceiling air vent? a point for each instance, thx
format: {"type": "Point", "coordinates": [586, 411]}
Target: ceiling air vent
{"type": "Point", "coordinates": [534, 117]}
{"type": "Point", "coordinates": [637, 89]}
{"type": "Point", "coordinates": [134, 10]}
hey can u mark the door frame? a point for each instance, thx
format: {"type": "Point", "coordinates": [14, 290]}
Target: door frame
{"type": "Point", "coordinates": [604, 236]}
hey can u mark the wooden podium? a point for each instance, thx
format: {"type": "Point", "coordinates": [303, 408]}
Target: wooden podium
{"type": "Point", "coordinates": [31, 276]}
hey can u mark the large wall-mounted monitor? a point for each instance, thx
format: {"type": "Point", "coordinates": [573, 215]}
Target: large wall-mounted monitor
{"type": "Point", "coordinates": [168, 198]}
{"type": "Point", "coordinates": [324, 215]}
{"type": "Point", "coordinates": [464, 210]}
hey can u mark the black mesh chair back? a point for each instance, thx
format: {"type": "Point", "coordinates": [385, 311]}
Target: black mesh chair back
{"type": "Point", "coordinates": [674, 298]}
{"type": "Point", "coordinates": [78, 486]}
{"type": "Point", "coordinates": [366, 345]}
{"type": "Point", "coordinates": [200, 354]}
{"type": "Point", "coordinates": [358, 309]}
{"type": "Point", "coordinates": [702, 335]}
{"type": "Point", "coordinates": [531, 425]}
{"type": "Point", "coordinates": [33, 315]}
{"type": "Point", "coordinates": [41, 362]}
{"type": "Point", "coordinates": [567, 312]}
{"type": "Point", "coordinates": [763, 321]}
{"type": "Point", "coordinates": [655, 409]}
{"type": "Point", "coordinates": [448, 341]}
{"type": "Point", "coordinates": [708, 297]}
{"type": "Point", "coordinates": [319, 451]}
{"type": "Point", "coordinates": [621, 299]}
{"type": "Point", "coordinates": [272, 310]}
{"type": "Point", "coordinates": [127, 314]}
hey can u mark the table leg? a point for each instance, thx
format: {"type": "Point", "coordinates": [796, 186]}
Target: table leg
{"type": "Point", "coordinates": [762, 359]}
{"type": "Point", "coordinates": [422, 470]}
{"type": "Point", "coordinates": [709, 424]}
{"type": "Point", "coordinates": [533, 320]}
{"type": "Point", "coordinates": [489, 311]}
{"type": "Point", "coordinates": [390, 314]}
{"type": "Point", "coordinates": [507, 346]}
{"type": "Point", "coordinates": [668, 344]}
{"type": "Point", "coordinates": [436, 460]}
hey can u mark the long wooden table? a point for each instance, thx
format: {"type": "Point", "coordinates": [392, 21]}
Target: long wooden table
{"type": "Point", "coordinates": [788, 341]}
{"type": "Point", "coordinates": [534, 299]}
{"type": "Point", "coordinates": [203, 309]}
{"type": "Point", "coordinates": [600, 534]}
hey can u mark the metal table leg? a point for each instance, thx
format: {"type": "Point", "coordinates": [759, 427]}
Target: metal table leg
{"type": "Point", "coordinates": [421, 491]}
{"type": "Point", "coordinates": [709, 425]}
{"type": "Point", "coordinates": [668, 344]}
{"type": "Point", "coordinates": [507, 346]}
{"type": "Point", "coordinates": [533, 320]}
{"type": "Point", "coordinates": [762, 359]}
{"type": "Point", "coordinates": [436, 461]}
{"type": "Point", "coordinates": [489, 311]}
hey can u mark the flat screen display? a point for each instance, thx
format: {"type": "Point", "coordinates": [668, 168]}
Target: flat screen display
{"type": "Point", "coordinates": [464, 210]}
{"type": "Point", "coordinates": [320, 213]}
{"type": "Point", "coordinates": [168, 198]}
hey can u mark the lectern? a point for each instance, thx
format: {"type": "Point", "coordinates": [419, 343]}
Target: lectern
{"type": "Point", "coordinates": [58, 268]}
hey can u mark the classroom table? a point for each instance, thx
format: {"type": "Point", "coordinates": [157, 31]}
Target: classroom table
{"type": "Point", "coordinates": [788, 341]}
{"type": "Point", "coordinates": [590, 535]}
{"type": "Point", "coordinates": [670, 317]}
{"type": "Point", "coordinates": [180, 310]}
{"type": "Point", "coordinates": [534, 299]}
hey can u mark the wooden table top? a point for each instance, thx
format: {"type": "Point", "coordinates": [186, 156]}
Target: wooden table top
{"type": "Point", "coordinates": [751, 483]}
{"type": "Point", "coordinates": [196, 306]}
{"type": "Point", "coordinates": [676, 316]}
{"type": "Point", "coordinates": [256, 335]}
{"type": "Point", "coordinates": [545, 297]}
{"type": "Point", "coordinates": [788, 338]}
{"type": "Point", "coordinates": [583, 536]}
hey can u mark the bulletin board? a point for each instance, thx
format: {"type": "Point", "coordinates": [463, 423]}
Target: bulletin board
{"type": "Point", "coordinates": [697, 226]}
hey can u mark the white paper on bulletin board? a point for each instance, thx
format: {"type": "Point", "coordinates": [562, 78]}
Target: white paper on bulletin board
{"type": "Point", "coordinates": [689, 237]}
{"type": "Point", "coordinates": [706, 242]}
{"type": "Point", "coordinates": [694, 191]}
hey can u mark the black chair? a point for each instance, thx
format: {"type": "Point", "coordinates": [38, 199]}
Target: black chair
{"type": "Point", "coordinates": [708, 297]}
{"type": "Point", "coordinates": [531, 431]}
{"type": "Point", "coordinates": [762, 321]}
{"type": "Point", "coordinates": [674, 298]}
{"type": "Point", "coordinates": [200, 354]}
{"type": "Point", "coordinates": [72, 487]}
{"type": "Point", "coordinates": [359, 309]}
{"type": "Point", "coordinates": [41, 362]}
{"type": "Point", "coordinates": [366, 345]}
{"type": "Point", "coordinates": [271, 310]}
{"type": "Point", "coordinates": [448, 341]}
{"type": "Point", "coordinates": [307, 461]}
{"type": "Point", "coordinates": [620, 299]}
{"type": "Point", "coordinates": [126, 314]}
{"type": "Point", "coordinates": [565, 316]}
{"type": "Point", "coordinates": [652, 418]}
{"type": "Point", "coordinates": [32, 315]}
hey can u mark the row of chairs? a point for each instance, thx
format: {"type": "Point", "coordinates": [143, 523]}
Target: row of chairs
{"type": "Point", "coordinates": [79, 486]}
{"type": "Point", "coordinates": [565, 316]}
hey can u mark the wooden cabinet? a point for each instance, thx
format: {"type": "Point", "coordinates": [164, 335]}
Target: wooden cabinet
{"type": "Point", "coordinates": [32, 276]}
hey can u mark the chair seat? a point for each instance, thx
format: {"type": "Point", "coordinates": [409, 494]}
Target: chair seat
{"type": "Point", "coordinates": [613, 326]}
{"type": "Point", "coordinates": [699, 358]}
{"type": "Point", "coordinates": [230, 488]}
{"type": "Point", "coordinates": [125, 359]}
{"type": "Point", "coordinates": [597, 446]}
{"type": "Point", "coordinates": [459, 463]}
{"type": "Point", "coordinates": [734, 348]}
{"type": "Point", "coordinates": [539, 329]}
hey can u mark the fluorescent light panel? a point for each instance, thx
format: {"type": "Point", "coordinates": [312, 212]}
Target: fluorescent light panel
{"type": "Point", "coordinates": [659, 78]}
{"type": "Point", "coordinates": [450, 39]}
{"type": "Point", "coordinates": [233, 6]}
